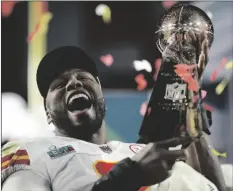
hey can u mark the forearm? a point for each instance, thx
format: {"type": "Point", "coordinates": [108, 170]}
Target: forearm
{"type": "Point", "coordinates": [125, 176]}
{"type": "Point", "coordinates": [209, 163]}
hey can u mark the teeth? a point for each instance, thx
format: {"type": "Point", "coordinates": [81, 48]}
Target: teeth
{"type": "Point", "coordinates": [78, 96]}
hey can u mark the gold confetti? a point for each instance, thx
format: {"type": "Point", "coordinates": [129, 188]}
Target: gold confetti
{"type": "Point", "coordinates": [107, 15]}
{"type": "Point", "coordinates": [229, 65]}
{"type": "Point", "coordinates": [44, 21]}
{"type": "Point", "coordinates": [219, 154]}
{"type": "Point", "coordinates": [191, 123]}
{"type": "Point", "coordinates": [220, 87]}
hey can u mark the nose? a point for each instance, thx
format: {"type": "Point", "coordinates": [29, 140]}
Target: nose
{"type": "Point", "coordinates": [73, 84]}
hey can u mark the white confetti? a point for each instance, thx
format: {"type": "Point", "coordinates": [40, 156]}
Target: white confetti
{"type": "Point", "coordinates": [142, 65]}
{"type": "Point", "coordinates": [99, 10]}
{"type": "Point", "coordinates": [105, 12]}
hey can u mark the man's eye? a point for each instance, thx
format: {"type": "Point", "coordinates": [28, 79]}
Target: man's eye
{"type": "Point", "coordinates": [58, 85]}
{"type": "Point", "coordinates": [83, 78]}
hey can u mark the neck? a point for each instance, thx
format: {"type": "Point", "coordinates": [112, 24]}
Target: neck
{"type": "Point", "coordinates": [100, 136]}
{"type": "Point", "coordinates": [97, 138]}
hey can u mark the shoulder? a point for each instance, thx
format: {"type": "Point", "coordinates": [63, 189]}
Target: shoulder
{"type": "Point", "coordinates": [14, 152]}
{"type": "Point", "coordinates": [30, 154]}
{"type": "Point", "coordinates": [14, 158]}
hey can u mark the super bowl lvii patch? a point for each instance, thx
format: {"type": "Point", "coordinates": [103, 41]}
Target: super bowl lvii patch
{"type": "Point", "coordinates": [55, 152]}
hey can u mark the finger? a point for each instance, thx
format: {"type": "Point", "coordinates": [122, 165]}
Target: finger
{"type": "Point", "coordinates": [201, 63]}
{"type": "Point", "coordinates": [173, 155]}
{"type": "Point", "coordinates": [204, 48]}
{"type": "Point", "coordinates": [192, 35]}
{"type": "Point", "coordinates": [164, 164]}
{"type": "Point", "coordinates": [203, 57]}
{"type": "Point", "coordinates": [179, 37]}
{"type": "Point", "coordinates": [201, 38]}
{"type": "Point", "coordinates": [174, 142]}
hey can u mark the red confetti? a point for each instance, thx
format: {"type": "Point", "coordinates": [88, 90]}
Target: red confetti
{"type": "Point", "coordinates": [143, 108]}
{"type": "Point", "coordinates": [168, 4]}
{"type": "Point", "coordinates": [42, 26]}
{"type": "Point", "coordinates": [215, 73]}
{"type": "Point", "coordinates": [107, 60]}
{"type": "Point", "coordinates": [157, 65]}
{"type": "Point", "coordinates": [149, 110]}
{"type": "Point", "coordinates": [33, 33]}
{"type": "Point", "coordinates": [185, 72]}
{"type": "Point", "coordinates": [7, 7]}
{"type": "Point", "coordinates": [208, 107]}
{"type": "Point", "coordinates": [141, 81]}
{"type": "Point", "coordinates": [203, 95]}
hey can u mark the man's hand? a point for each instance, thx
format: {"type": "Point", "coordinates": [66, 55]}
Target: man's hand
{"type": "Point", "coordinates": [200, 42]}
{"type": "Point", "coordinates": [155, 159]}
{"type": "Point", "coordinates": [188, 48]}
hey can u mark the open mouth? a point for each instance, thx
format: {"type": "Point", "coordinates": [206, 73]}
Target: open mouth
{"type": "Point", "coordinates": [78, 102]}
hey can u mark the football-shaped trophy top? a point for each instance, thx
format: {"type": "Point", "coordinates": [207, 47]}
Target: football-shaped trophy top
{"type": "Point", "coordinates": [182, 18]}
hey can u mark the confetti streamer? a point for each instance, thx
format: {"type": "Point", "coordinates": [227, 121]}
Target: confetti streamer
{"type": "Point", "coordinates": [157, 65]}
{"type": "Point", "coordinates": [45, 19]}
{"type": "Point", "coordinates": [190, 116]}
{"type": "Point", "coordinates": [215, 73]}
{"type": "Point", "coordinates": [185, 72]}
{"type": "Point", "coordinates": [203, 95]}
{"type": "Point", "coordinates": [141, 81]}
{"type": "Point", "coordinates": [104, 11]}
{"type": "Point", "coordinates": [7, 8]}
{"type": "Point", "coordinates": [222, 85]}
{"type": "Point", "coordinates": [143, 108]}
{"type": "Point", "coordinates": [32, 34]}
{"type": "Point", "coordinates": [41, 27]}
{"type": "Point", "coordinates": [107, 59]}
{"type": "Point", "coordinates": [224, 155]}
{"type": "Point", "coordinates": [229, 65]}
{"type": "Point", "coordinates": [142, 65]}
{"type": "Point", "coordinates": [208, 107]}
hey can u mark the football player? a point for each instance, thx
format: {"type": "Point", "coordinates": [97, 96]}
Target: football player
{"type": "Point", "coordinates": [78, 158]}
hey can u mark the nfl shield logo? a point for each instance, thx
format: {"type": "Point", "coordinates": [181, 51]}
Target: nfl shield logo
{"type": "Point", "coordinates": [175, 91]}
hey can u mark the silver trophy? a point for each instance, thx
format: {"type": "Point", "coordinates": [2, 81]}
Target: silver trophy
{"type": "Point", "coordinates": [175, 107]}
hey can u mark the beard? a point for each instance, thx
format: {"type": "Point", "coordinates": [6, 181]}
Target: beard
{"type": "Point", "coordinates": [84, 130]}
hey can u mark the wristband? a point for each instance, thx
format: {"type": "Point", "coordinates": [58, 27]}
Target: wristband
{"type": "Point", "coordinates": [124, 176]}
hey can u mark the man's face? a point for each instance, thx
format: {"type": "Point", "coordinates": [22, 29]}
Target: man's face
{"type": "Point", "coordinates": [75, 103]}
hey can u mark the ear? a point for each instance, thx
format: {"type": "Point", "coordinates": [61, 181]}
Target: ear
{"type": "Point", "coordinates": [48, 115]}
{"type": "Point", "coordinates": [98, 80]}
{"type": "Point", "coordinates": [49, 118]}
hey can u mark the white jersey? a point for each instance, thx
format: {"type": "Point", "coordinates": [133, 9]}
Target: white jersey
{"type": "Point", "coordinates": [74, 165]}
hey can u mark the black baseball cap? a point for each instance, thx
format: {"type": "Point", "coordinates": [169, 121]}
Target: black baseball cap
{"type": "Point", "coordinates": [60, 60]}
